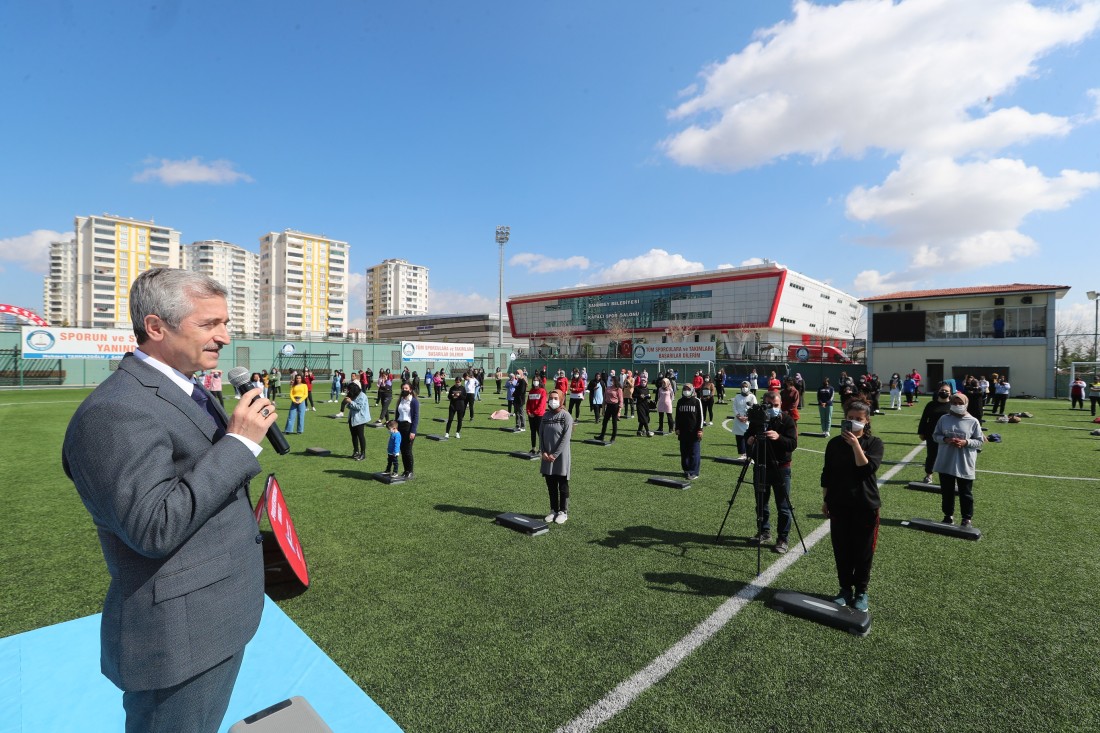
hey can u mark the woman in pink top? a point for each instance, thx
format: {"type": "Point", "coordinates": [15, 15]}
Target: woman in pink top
{"type": "Point", "coordinates": [664, 404]}
{"type": "Point", "coordinates": [612, 403]}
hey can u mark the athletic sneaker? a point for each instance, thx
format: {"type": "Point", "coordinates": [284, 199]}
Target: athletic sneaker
{"type": "Point", "coordinates": [550, 517]}
{"type": "Point", "coordinates": [843, 597]}
{"type": "Point", "coordinates": [760, 538]}
{"type": "Point", "coordinates": [533, 452]}
{"type": "Point", "coordinates": [860, 603]}
{"type": "Point", "coordinates": [781, 547]}
{"type": "Point", "coordinates": [393, 474]}
{"type": "Point", "coordinates": [967, 523]}
{"type": "Point", "coordinates": [446, 435]}
{"type": "Point", "coordinates": [650, 435]}
{"type": "Point", "coordinates": [458, 435]}
{"type": "Point", "coordinates": [339, 414]}
{"type": "Point", "coordinates": [948, 519]}
{"type": "Point", "coordinates": [928, 479]}
{"type": "Point", "coordinates": [561, 518]}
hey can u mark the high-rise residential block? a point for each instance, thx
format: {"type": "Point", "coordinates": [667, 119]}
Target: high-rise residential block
{"type": "Point", "coordinates": [395, 288]}
{"type": "Point", "coordinates": [238, 270]}
{"type": "Point", "coordinates": [90, 286]}
{"type": "Point", "coordinates": [59, 286]}
{"type": "Point", "coordinates": [303, 284]}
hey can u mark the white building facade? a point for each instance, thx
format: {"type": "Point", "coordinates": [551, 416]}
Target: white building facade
{"type": "Point", "coordinates": [238, 270]}
{"type": "Point", "coordinates": [763, 311]}
{"type": "Point", "coordinates": [479, 329]}
{"type": "Point", "coordinates": [395, 288]}
{"type": "Point", "coordinates": [303, 284]}
{"type": "Point", "coordinates": [59, 286]}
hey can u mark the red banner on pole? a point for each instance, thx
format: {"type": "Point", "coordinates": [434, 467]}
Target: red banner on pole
{"type": "Point", "coordinates": [282, 527]}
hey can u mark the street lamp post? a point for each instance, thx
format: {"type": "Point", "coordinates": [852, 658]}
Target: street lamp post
{"type": "Point", "coordinates": [1094, 296]}
{"type": "Point", "coordinates": [502, 239]}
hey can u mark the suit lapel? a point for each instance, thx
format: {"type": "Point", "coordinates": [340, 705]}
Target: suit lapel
{"type": "Point", "coordinates": [170, 392]}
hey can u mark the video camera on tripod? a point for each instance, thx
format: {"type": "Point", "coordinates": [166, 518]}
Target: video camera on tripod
{"type": "Point", "coordinates": [758, 421]}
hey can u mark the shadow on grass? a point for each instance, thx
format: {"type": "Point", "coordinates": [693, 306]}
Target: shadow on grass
{"type": "Point", "coordinates": [693, 585]}
{"type": "Point", "coordinates": [486, 450]}
{"type": "Point", "coordinates": [469, 511]}
{"type": "Point", "coordinates": [644, 471]}
{"type": "Point", "coordinates": [653, 537]}
{"type": "Point", "coordinates": [352, 473]}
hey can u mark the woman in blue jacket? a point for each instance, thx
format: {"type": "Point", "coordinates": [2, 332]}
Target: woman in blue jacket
{"type": "Point", "coordinates": [358, 416]}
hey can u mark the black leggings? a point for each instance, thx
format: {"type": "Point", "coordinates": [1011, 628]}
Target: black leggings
{"type": "Point", "coordinates": [854, 534]}
{"type": "Point", "coordinates": [458, 410]}
{"type": "Point", "coordinates": [386, 400]}
{"type": "Point", "coordinates": [533, 423]}
{"type": "Point", "coordinates": [309, 398]}
{"type": "Point", "coordinates": [947, 495]}
{"type": "Point", "coordinates": [661, 421]}
{"type": "Point", "coordinates": [358, 441]}
{"type": "Point", "coordinates": [577, 404]}
{"type": "Point", "coordinates": [708, 410]}
{"type": "Point", "coordinates": [932, 449]}
{"type": "Point", "coordinates": [612, 414]}
{"type": "Point", "coordinates": [405, 429]}
{"type": "Point", "coordinates": [558, 486]}
{"type": "Point", "coordinates": [469, 403]}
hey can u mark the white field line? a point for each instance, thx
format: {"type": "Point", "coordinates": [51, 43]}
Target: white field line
{"type": "Point", "coordinates": [1095, 479]}
{"type": "Point", "coordinates": [626, 692]}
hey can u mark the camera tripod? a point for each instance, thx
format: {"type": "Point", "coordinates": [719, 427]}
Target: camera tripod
{"type": "Point", "coordinates": [759, 485]}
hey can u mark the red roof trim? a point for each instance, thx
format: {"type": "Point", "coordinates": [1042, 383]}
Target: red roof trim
{"type": "Point", "coordinates": [583, 292]}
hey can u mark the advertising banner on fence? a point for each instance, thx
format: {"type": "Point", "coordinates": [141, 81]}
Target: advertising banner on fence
{"type": "Point", "coordinates": [680, 351]}
{"type": "Point", "coordinates": [76, 343]}
{"type": "Point", "coordinates": [436, 351]}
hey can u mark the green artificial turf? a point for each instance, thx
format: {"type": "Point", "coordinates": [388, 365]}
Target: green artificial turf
{"type": "Point", "coordinates": [452, 623]}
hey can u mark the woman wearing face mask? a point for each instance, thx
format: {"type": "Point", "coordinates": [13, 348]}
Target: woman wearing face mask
{"type": "Point", "coordinates": [689, 428]}
{"type": "Point", "coordinates": [597, 396]}
{"type": "Point", "coordinates": [664, 404]}
{"type": "Point", "coordinates": [851, 502]}
{"type": "Point", "coordinates": [959, 435]}
{"type": "Point", "coordinates": [614, 401]}
{"type": "Point", "coordinates": [554, 431]}
{"type": "Point", "coordinates": [825, 406]}
{"type": "Point", "coordinates": [536, 408]}
{"type": "Point", "coordinates": [934, 409]}
{"type": "Point", "coordinates": [742, 401]}
{"type": "Point", "coordinates": [408, 418]}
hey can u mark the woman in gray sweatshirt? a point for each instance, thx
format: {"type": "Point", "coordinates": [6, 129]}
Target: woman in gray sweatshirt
{"type": "Point", "coordinates": [960, 438]}
{"type": "Point", "coordinates": [554, 434]}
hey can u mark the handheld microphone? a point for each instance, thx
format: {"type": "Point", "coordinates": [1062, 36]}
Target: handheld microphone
{"type": "Point", "coordinates": [238, 377]}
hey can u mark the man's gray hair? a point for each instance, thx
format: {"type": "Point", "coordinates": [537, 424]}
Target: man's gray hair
{"type": "Point", "coordinates": [168, 293]}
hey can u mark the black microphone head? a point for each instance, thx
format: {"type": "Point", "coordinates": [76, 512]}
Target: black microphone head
{"type": "Point", "coordinates": [239, 377]}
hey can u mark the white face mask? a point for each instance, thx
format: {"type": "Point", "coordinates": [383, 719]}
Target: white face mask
{"type": "Point", "coordinates": [958, 409]}
{"type": "Point", "coordinates": [744, 390]}
{"type": "Point", "coordinates": [857, 426]}
{"type": "Point", "coordinates": [687, 393]}
{"type": "Point", "coordinates": [554, 404]}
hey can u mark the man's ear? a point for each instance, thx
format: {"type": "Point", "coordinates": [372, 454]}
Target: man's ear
{"type": "Point", "coordinates": [155, 327]}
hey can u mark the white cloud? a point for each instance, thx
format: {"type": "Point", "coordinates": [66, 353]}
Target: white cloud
{"type": "Point", "coordinates": [192, 170]}
{"type": "Point", "coordinates": [541, 263]}
{"type": "Point", "coordinates": [654, 263]}
{"type": "Point", "coordinates": [919, 79]}
{"type": "Point", "coordinates": [451, 301]}
{"type": "Point", "coordinates": [752, 261]}
{"type": "Point", "coordinates": [839, 80]}
{"type": "Point", "coordinates": [31, 251]}
{"type": "Point", "coordinates": [873, 282]}
{"type": "Point", "coordinates": [947, 214]}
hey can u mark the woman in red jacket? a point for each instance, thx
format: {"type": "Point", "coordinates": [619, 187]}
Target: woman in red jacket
{"type": "Point", "coordinates": [536, 408]}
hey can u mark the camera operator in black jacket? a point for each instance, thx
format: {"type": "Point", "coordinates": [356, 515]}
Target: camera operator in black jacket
{"type": "Point", "coordinates": [771, 442]}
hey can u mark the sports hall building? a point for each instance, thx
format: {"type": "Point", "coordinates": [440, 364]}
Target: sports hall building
{"type": "Point", "coordinates": [763, 312]}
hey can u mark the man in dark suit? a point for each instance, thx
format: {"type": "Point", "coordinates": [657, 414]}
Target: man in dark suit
{"type": "Point", "coordinates": [164, 473]}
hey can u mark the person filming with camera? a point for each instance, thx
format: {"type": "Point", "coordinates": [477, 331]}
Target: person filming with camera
{"type": "Point", "coordinates": [772, 439]}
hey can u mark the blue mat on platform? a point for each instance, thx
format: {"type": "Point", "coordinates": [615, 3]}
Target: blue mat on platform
{"type": "Point", "coordinates": [50, 680]}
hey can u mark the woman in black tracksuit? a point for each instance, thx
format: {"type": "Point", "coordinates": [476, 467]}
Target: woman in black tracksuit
{"type": "Point", "coordinates": [456, 399]}
{"type": "Point", "coordinates": [851, 502]}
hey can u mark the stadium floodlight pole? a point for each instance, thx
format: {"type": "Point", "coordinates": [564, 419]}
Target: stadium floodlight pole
{"type": "Point", "coordinates": [1094, 296]}
{"type": "Point", "coordinates": [502, 239]}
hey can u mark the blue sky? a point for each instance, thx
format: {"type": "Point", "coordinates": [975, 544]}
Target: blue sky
{"type": "Point", "coordinates": [874, 145]}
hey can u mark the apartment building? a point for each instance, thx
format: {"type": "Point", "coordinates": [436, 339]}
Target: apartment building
{"type": "Point", "coordinates": [395, 288]}
{"type": "Point", "coordinates": [238, 270]}
{"type": "Point", "coordinates": [303, 284]}
{"type": "Point", "coordinates": [90, 277]}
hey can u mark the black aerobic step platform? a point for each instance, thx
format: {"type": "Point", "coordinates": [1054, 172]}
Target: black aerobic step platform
{"type": "Point", "coordinates": [948, 530]}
